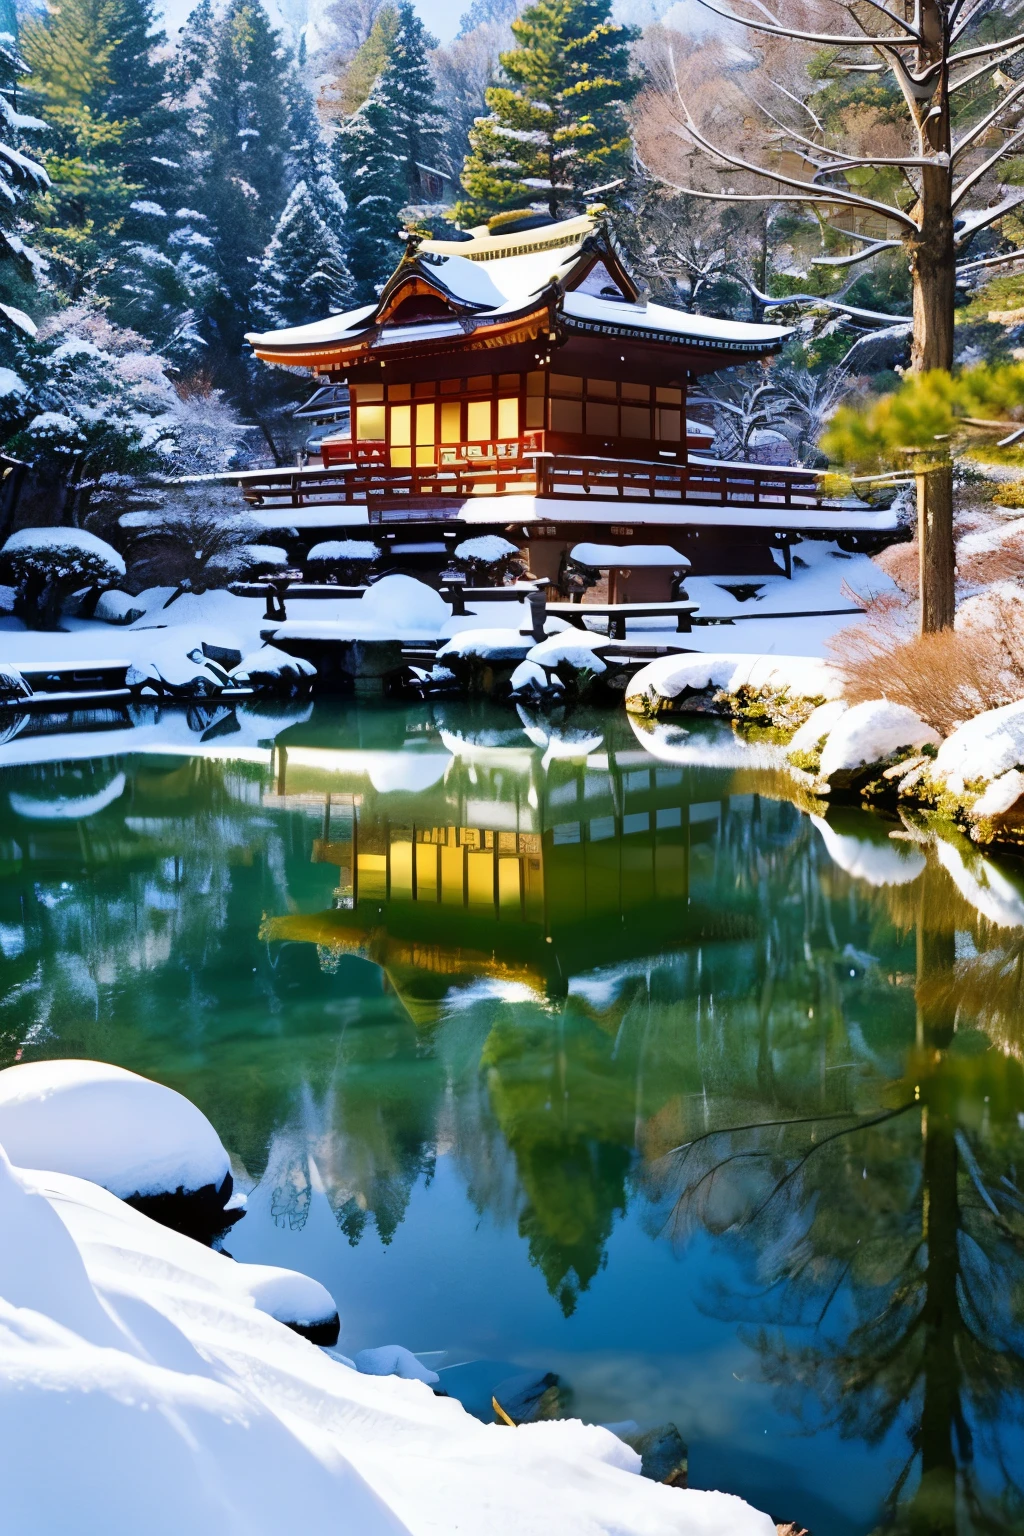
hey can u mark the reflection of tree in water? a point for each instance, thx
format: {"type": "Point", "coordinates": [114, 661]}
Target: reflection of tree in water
{"type": "Point", "coordinates": [891, 1229]}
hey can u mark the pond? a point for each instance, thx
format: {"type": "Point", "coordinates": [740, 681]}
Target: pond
{"type": "Point", "coordinates": [582, 1048]}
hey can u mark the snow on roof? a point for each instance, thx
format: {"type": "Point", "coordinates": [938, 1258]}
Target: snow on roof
{"type": "Point", "coordinates": [674, 322]}
{"type": "Point", "coordinates": [501, 274]}
{"type": "Point", "coordinates": [603, 556]}
{"type": "Point", "coordinates": [334, 328]}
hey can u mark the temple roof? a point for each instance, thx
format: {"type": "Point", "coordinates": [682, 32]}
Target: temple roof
{"type": "Point", "coordinates": [569, 273]}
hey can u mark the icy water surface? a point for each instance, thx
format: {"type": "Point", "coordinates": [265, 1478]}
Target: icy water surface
{"type": "Point", "coordinates": [585, 1050]}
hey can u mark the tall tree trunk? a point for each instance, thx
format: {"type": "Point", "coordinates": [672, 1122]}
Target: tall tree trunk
{"type": "Point", "coordinates": [933, 1509]}
{"type": "Point", "coordinates": [934, 285]}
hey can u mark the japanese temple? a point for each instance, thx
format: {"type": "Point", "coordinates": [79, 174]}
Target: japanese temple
{"type": "Point", "coordinates": [523, 384]}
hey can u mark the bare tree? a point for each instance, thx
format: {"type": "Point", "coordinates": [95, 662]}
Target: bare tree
{"type": "Point", "coordinates": [936, 179]}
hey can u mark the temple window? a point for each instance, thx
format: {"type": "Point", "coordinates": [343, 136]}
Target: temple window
{"type": "Point", "coordinates": [508, 417]}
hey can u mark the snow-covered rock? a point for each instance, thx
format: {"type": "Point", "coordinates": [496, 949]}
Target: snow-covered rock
{"type": "Point", "coordinates": [490, 645]}
{"type": "Point", "coordinates": [302, 1304]}
{"type": "Point", "coordinates": [530, 678]}
{"type": "Point", "coordinates": [670, 678]}
{"type": "Point", "coordinates": [116, 607]}
{"type": "Point", "coordinates": [817, 726]}
{"type": "Point", "coordinates": [140, 1386]}
{"type": "Point", "coordinates": [273, 671]}
{"type": "Point", "coordinates": [577, 648]}
{"type": "Point", "coordinates": [393, 1360]}
{"type": "Point", "coordinates": [983, 748]}
{"type": "Point", "coordinates": [870, 733]}
{"type": "Point", "coordinates": [139, 1139]}
{"type": "Point", "coordinates": [1000, 796]}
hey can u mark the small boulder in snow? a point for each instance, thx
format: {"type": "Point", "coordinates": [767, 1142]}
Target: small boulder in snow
{"type": "Point", "coordinates": [806, 742]}
{"type": "Point", "coordinates": [1001, 796]}
{"type": "Point", "coordinates": [871, 734]}
{"type": "Point", "coordinates": [271, 670]}
{"type": "Point", "coordinates": [393, 1360]}
{"type": "Point", "coordinates": [301, 1303]}
{"type": "Point", "coordinates": [983, 748]}
{"type": "Point", "coordinates": [142, 1141]}
{"type": "Point", "coordinates": [116, 607]}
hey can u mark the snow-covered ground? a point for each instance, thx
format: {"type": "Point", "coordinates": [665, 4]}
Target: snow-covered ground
{"type": "Point", "coordinates": [824, 577]}
{"type": "Point", "coordinates": [143, 1387]}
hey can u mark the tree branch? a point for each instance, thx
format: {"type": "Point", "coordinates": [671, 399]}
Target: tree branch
{"type": "Point", "coordinates": [858, 256]}
{"type": "Point", "coordinates": [847, 199]}
{"type": "Point", "coordinates": [983, 69]}
{"type": "Point", "coordinates": [975, 53]}
{"type": "Point", "coordinates": [867, 41]}
{"type": "Point", "coordinates": [986, 122]}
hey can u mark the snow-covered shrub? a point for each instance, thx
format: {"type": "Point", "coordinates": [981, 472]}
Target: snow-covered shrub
{"type": "Point", "coordinates": [97, 401]}
{"type": "Point", "coordinates": [488, 559]}
{"type": "Point", "coordinates": [194, 548]}
{"type": "Point", "coordinates": [48, 564]}
{"type": "Point", "coordinates": [947, 677]}
{"type": "Point", "coordinates": [346, 561]}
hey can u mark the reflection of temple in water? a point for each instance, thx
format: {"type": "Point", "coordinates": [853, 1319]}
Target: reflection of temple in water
{"type": "Point", "coordinates": [495, 859]}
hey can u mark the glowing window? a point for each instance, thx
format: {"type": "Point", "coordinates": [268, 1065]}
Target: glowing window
{"type": "Point", "coordinates": [668, 426]}
{"type": "Point", "coordinates": [478, 421]}
{"type": "Point", "coordinates": [400, 425]}
{"type": "Point", "coordinates": [425, 424]}
{"type": "Point", "coordinates": [451, 422]}
{"type": "Point", "coordinates": [565, 384]}
{"type": "Point", "coordinates": [508, 417]}
{"type": "Point", "coordinates": [603, 420]}
{"type": "Point", "coordinates": [370, 423]}
{"type": "Point", "coordinates": [602, 389]}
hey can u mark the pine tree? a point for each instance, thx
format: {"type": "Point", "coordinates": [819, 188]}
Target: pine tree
{"type": "Point", "coordinates": [356, 81]}
{"type": "Point", "coordinates": [371, 172]}
{"type": "Point", "coordinates": [20, 174]}
{"type": "Point", "coordinates": [408, 88]}
{"type": "Point", "coordinates": [242, 155]}
{"type": "Point", "coordinates": [303, 275]}
{"type": "Point", "coordinates": [559, 128]}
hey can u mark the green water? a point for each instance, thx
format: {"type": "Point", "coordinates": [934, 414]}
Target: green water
{"type": "Point", "coordinates": [585, 1050]}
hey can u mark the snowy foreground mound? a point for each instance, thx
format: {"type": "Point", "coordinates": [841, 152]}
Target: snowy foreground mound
{"type": "Point", "coordinates": [141, 1389]}
{"type": "Point", "coordinates": [138, 1139]}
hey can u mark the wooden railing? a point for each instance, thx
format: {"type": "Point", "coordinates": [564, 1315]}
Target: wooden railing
{"type": "Point", "coordinates": [410, 491]}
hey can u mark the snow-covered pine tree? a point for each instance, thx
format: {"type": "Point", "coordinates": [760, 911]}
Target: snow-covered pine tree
{"type": "Point", "coordinates": [309, 158]}
{"type": "Point", "coordinates": [408, 86]}
{"type": "Point", "coordinates": [303, 275]}
{"type": "Point", "coordinates": [242, 182]}
{"type": "Point", "coordinates": [20, 174]}
{"type": "Point", "coordinates": [558, 129]}
{"type": "Point", "coordinates": [371, 173]}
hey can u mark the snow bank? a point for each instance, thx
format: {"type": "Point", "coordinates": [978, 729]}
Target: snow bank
{"type": "Point", "coordinates": [302, 1304]}
{"type": "Point", "coordinates": [803, 677]}
{"type": "Point", "coordinates": [394, 608]}
{"type": "Point", "coordinates": [104, 1123]}
{"type": "Point", "coordinates": [393, 1360]}
{"type": "Point", "coordinates": [983, 748]}
{"type": "Point", "coordinates": [870, 733]}
{"type": "Point", "coordinates": [140, 1388]}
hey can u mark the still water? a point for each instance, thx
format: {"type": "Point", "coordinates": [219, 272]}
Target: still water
{"type": "Point", "coordinates": [584, 1049]}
